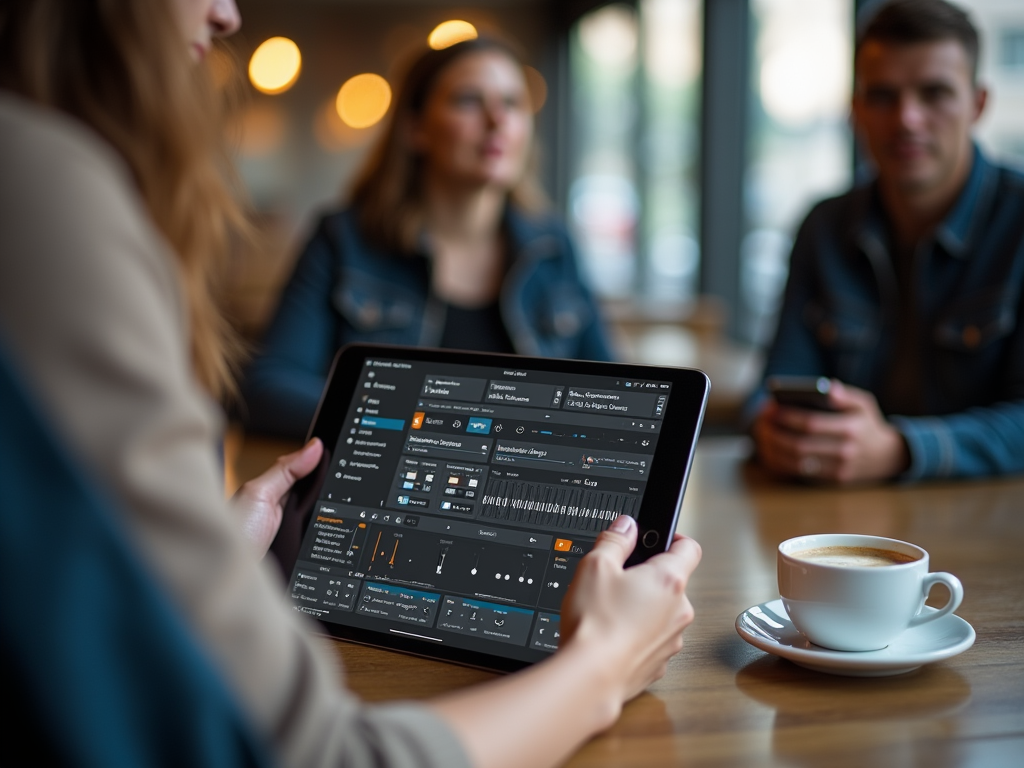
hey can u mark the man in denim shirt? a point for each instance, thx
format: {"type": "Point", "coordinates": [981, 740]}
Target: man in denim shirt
{"type": "Point", "coordinates": [907, 291]}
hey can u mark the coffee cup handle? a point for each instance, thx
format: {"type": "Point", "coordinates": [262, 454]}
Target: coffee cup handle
{"type": "Point", "coordinates": [956, 595]}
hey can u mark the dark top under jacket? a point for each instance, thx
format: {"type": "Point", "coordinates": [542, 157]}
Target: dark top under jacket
{"type": "Point", "coordinates": [479, 329]}
{"type": "Point", "coordinates": [940, 343]}
{"type": "Point", "coordinates": [343, 290]}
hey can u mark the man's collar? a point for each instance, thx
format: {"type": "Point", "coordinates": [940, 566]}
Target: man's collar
{"type": "Point", "coordinates": [955, 233]}
{"type": "Point", "coordinates": [963, 223]}
{"type": "Point", "coordinates": [867, 224]}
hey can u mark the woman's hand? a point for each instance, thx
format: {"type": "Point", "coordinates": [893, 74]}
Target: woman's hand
{"type": "Point", "coordinates": [619, 629]}
{"type": "Point", "coordinates": [258, 503]}
{"type": "Point", "coordinates": [634, 617]}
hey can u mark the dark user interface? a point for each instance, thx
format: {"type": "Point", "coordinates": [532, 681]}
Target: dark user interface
{"type": "Point", "coordinates": [461, 498]}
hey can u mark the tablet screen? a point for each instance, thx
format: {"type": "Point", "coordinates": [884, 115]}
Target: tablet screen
{"type": "Point", "coordinates": [460, 498]}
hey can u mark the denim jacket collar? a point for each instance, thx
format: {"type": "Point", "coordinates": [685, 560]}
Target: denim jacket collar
{"type": "Point", "coordinates": [962, 226]}
{"type": "Point", "coordinates": [527, 236]}
{"type": "Point", "coordinates": [956, 233]}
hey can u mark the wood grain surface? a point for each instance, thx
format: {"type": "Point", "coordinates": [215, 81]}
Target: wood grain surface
{"type": "Point", "coordinates": [725, 703]}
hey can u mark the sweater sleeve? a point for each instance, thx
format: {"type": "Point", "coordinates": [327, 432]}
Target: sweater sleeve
{"type": "Point", "coordinates": [91, 312]}
{"type": "Point", "coordinates": [283, 384]}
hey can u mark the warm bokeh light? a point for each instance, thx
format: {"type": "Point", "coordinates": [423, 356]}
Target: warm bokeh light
{"type": "Point", "coordinates": [332, 134]}
{"type": "Point", "coordinates": [448, 33]}
{"type": "Point", "coordinates": [538, 88]}
{"type": "Point", "coordinates": [275, 65]}
{"type": "Point", "coordinates": [363, 100]}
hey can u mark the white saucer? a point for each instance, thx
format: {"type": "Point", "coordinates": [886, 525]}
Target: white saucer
{"type": "Point", "coordinates": [767, 626]}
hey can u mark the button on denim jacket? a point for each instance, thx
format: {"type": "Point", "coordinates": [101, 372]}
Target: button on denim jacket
{"type": "Point", "coordinates": [345, 291]}
{"type": "Point", "coordinates": [841, 312]}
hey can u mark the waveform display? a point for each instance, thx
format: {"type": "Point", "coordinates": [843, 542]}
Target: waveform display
{"type": "Point", "coordinates": [555, 506]}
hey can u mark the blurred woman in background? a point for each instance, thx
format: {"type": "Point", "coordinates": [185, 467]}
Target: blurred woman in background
{"type": "Point", "coordinates": [114, 213]}
{"type": "Point", "coordinates": [446, 243]}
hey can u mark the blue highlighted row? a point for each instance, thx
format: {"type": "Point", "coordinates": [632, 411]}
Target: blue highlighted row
{"type": "Point", "coordinates": [494, 606]}
{"type": "Point", "coordinates": [377, 423]}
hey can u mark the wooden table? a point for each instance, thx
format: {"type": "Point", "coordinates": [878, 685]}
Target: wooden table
{"type": "Point", "coordinates": [725, 703]}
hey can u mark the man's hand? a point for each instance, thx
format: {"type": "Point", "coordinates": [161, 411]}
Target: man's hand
{"type": "Point", "coordinates": [258, 503]}
{"type": "Point", "coordinates": [853, 444]}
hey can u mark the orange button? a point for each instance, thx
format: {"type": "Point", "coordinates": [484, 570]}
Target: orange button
{"type": "Point", "coordinates": [563, 545]}
{"type": "Point", "coordinates": [417, 419]}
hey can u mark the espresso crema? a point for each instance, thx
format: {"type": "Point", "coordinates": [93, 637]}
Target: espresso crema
{"type": "Point", "coordinates": [853, 557]}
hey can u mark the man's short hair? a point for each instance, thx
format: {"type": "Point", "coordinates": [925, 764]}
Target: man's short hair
{"type": "Point", "coordinates": [905, 22]}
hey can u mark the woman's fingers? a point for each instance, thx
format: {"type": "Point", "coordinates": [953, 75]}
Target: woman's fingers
{"type": "Point", "coordinates": [618, 541]}
{"type": "Point", "coordinates": [686, 550]}
{"type": "Point", "coordinates": [258, 502]}
{"type": "Point", "coordinates": [273, 484]}
{"type": "Point", "coordinates": [678, 563]}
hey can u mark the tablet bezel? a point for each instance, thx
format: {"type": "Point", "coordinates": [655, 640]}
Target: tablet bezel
{"type": "Point", "coordinates": [659, 509]}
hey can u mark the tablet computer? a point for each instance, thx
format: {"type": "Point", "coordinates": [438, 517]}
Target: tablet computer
{"type": "Point", "coordinates": [458, 492]}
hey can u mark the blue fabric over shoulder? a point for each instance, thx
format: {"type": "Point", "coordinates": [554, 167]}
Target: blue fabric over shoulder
{"type": "Point", "coordinates": [97, 667]}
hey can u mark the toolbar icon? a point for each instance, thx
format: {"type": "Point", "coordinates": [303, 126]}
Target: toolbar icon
{"type": "Point", "coordinates": [479, 426]}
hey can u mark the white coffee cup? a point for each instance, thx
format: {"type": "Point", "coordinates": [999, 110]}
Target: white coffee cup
{"type": "Point", "coordinates": [838, 598]}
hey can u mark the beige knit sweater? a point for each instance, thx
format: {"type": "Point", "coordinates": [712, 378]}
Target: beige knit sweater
{"type": "Point", "coordinates": [92, 314]}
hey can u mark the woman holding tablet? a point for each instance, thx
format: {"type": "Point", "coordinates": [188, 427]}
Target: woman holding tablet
{"type": "Point", "coordinates": [113, 211]}
{"type": "Point", "coordinates": [446, 242]}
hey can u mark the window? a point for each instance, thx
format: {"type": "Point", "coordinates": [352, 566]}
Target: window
{"type": "Point", "coordinates": [604, 205]}
{"type": "Point", "coordinates": [800, 144]}
{"type": "Point", "coordinates": [635, 74]}
{"type": "Point", "coordinates": [1011, 49]}
{"type": "Point", "coordinates": [634, 199]}
{"type": "Point", "coordinates": [1001, 25]}
{"type": "Point", "coordinates": [669, 149]}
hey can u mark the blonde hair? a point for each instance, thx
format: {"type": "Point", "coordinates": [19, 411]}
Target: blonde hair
{"type": "Point", "coordinates": [387, 193]}
{"type": "Point", "coordinates": [123, 68]}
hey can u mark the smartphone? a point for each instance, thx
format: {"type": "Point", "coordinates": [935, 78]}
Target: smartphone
{"type": "Point", "coordinates": [810, 392]}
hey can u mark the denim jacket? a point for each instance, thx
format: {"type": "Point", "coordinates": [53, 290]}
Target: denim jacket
{"type": "Point", "coordinates": [841, 313]}
{"type": "Point", "coordinates": [343, 290]}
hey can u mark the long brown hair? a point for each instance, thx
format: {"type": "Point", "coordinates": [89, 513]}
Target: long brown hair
{"type": "Point", "coordinates": [122, 67]}
{"type": "Point", "coordinates": [387, 194]}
